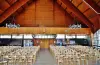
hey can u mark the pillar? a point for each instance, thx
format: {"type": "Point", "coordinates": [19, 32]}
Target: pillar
{"type": "Point", "coordinates": [92, 39]}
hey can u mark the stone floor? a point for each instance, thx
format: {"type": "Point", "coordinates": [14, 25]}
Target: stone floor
{"type": "Point", "coordinates": [45, 58]}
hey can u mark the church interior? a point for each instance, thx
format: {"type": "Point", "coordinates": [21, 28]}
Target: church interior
{"type": "Point", "coordinates": [49, 32]}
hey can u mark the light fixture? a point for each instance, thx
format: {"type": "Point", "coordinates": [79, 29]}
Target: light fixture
{"type": "Point", "coordinates": [76, 25]}
{"type": "Point", "coordinates": [10, 25]}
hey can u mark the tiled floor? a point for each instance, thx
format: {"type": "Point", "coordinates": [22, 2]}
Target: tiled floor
{"type": "Point", "coordinates": [45, 58]}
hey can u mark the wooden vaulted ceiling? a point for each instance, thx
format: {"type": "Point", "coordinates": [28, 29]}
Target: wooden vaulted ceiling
{"type": "Point", "coordinates": [83, 12]}
{"type": "Point", "coordinates": [9, 7]}
{"type": "Point", "coordinates": [79, 9]}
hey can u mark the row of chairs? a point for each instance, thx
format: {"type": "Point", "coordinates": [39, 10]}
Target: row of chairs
{"type": "Point", "coordinates": [7, 49]}
{"type": "Point", "coordinates": [74, 55]}
{"type": "Point", "coordinates": [86, 49]}
{"type": "Point", "coordinates": [20, 56]}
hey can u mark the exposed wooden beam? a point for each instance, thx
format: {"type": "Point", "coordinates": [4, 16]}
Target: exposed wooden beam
{"type": "Point", "coordinates": [7, 2]}
{"type": "Point", "coordinates": [70, 13]}
{"type": "Point", "coordinates": [78, 13]}
{"type": "Point", "coordinates": [93, 5]}
{"type": "Point", "coordinates": [29, 2]}
{"type": "Point", "coordinates": [1, 11]}
{"type": "Point", "coordinates": [99, 21]}
{"type": "Point", "coordinates": [71, 0]}
{"type": "Point", "coordinates": [86, 10]}
{"type": "Point", "coordinates": [79, 4]}
{"type": "Point", "coordinates": [98, 2]}
{"type": "Point", "coordinates": [23, 8]}
{"type": "Point", "coordinates": [48, 30]}
{"type": "Point", "coordinates": [12, 9]}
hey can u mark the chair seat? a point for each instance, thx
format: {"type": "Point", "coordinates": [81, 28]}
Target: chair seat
{"type": "Point", "coordinates": [2, 62]}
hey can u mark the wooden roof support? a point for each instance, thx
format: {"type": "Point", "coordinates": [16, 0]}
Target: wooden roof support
{"type": "Point", "coordinates": [7, 2]}
{"type": "Point", "coordinates": [79, 4]}
{"type": "Point", "coordinates": [12, 9]}
{"type": "Point", "coordinates": [44, 30]}
{"type": "Point", "coordinates": [79, 14]}
{"type": "Point", "coordinates": [96, 9]}
{"type": "Point", "coordinates": [93, 5]}
{"type": "Point", "coordinates": [99, 20]}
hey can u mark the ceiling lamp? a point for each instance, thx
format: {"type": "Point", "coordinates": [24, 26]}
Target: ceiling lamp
{"type": "Point", "coordinates": [12, 24]}
{"type": "Point", "coordinates": [76, 25]}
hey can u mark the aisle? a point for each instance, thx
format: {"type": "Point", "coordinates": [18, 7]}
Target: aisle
{"type": "Point", "coordinates": [45, 58]}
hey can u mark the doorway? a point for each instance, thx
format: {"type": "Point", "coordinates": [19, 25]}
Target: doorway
{"type": "Point", "coordinates": [44, 44]}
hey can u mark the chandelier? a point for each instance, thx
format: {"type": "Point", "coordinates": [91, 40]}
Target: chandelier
{"type": "Point", "coordinates": [12, 24]}
{"type": "Point", "coordinates": [76, 25]}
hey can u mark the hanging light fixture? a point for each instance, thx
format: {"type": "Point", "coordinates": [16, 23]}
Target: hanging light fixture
{"type": "Point", "coordinates": [76, 25]}
{"type": "Point", "coordinates": [12, 24]}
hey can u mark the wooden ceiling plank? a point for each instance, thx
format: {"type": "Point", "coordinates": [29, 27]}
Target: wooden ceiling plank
{"type": "Point", "coordinates": [76, 3]}
{"type": "Point", "coordinates": [86, 10]}
{"type": "Point", "coordinates": [96, 1]}
{"type": "Point", "coordinates": [79, 4]}
{"type": "Point", "coordinates": [70, 18]}
{"type": "Point", "coordinates": [11, 1]}
{"type": "Point", "coordinates": [4, 5]}
{"type": "Point", "coordinates": [20, 10]}
{"type": "Point", "coordinates": [78, 13]}
{"type": "Point", "coordinates": [1, 11]}
{"type": "Point", "coordinates": [90, 13]}
{"type": "Point", "coordinates": [12, 9]}
{"type": "Point", "coordinates": [7, 2]}
{"type": "Point", "coordinates": [93, 5]}
{"type": "Point", "coordinates": [99, 4]}
{"type": "Point", "coordinates": [83, 7]}
{"type": "Point", "coordinates": [25, 5]}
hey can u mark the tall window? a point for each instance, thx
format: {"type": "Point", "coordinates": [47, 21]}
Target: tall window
{"type": "Point", "coordinates": [97, 39]}
{"type": "Point", "coordinates": [82, 36]}
{"type": "Point", "coordinates": [70, 36]}
{"type": "Point", "coordinates": [43, 36]}
{"type": "Point", "coordinates": [28, 36]}
{"type": "Point", "coordinates": [60, 36]}
{"type": "Point", "coordinates": [5, 36]}
{"type": "Point", "coordinates": [17, 36]}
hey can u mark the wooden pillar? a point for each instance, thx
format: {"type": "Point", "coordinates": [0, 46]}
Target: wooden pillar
{"type": "Point", "coordinates": [99, 20]}
{"type": "Point", "coordinates": [68, 41]}
{"type": "Point", "coordinates": [33, 39]}
{"type": "Point", "coordinates": [65, 40]}
{"type": "Point", "coordinates": [23, 41]}
{"type": "Point", "coordinates": [11, 36]}
{"type": "Point", "coordinates": [76, 38]}
{"type": "Point", "coordinates": [92, 39]}
{"type": "Point", "coordinates": [55, 40]}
